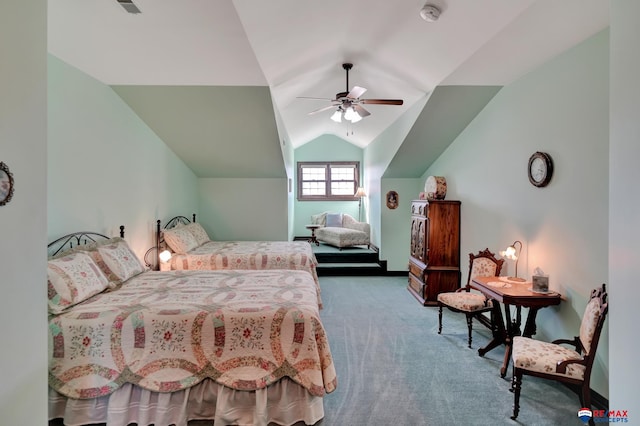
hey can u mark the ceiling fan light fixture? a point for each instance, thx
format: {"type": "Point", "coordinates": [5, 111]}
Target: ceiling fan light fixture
{"type": "Point", "coordinates": [430, 13]}
{"type": "Point", "coordinates": [337, 116]}
{"type": "Point", "coordinates": [349, 103]}
{"type": "Point", "coordinates": [350, 113]}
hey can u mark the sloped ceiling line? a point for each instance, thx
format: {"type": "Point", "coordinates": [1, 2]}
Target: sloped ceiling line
{"type": "Point", "coordinates": [447, 113]}
{"type": "Point", "coordinates": [292, 48]}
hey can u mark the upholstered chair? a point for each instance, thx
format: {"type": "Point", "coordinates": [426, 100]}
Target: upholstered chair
{"type": "Point", "coordinates": [471, 303]}
{"type": "Point", "coordinates": [553, 361]}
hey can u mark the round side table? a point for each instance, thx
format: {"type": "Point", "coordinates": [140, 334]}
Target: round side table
{"type": "Point", "coordinates": [313, 238]}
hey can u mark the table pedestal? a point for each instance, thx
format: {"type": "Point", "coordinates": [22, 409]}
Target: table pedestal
{"type": "Point", "coordinates": [505, 330]}
{"type": "Point", "coordinates": [313, 238]}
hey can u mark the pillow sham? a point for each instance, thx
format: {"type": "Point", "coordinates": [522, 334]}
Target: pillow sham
{"type": "Point", "coordinates": [120, 259]}
{"type": "Point", "coordinates": [180, 240]}
{"type": "Point", "coordinates": [92, 250]}
{"type": "Point", "coordinates": [198, 233]}
{"type": "Point", "coordinates": [72, 279]}
{"type": "Point", "coordinates": [334, 220]}
{"type": "Point", "coordinates": [318, 219]}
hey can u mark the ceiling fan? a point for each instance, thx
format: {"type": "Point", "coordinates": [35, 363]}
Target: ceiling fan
{"type": "Point", "coordinates": [348, 104]}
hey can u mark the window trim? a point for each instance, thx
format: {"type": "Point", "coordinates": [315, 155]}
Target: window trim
{"type": "Point", "coordinates": [327, 165]}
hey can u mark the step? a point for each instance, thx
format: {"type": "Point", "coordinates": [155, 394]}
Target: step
{"type": "Point", "coordinates": [345, 268]}
{"type": "Point", "coordinates": [345, 257]}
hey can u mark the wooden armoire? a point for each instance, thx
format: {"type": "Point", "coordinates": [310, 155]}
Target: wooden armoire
{"type": "Point", "coordinates": [434, 262]}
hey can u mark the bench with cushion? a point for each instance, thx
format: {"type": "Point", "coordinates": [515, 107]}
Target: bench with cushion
{"type": "Point", "coordinates": [341, 230]}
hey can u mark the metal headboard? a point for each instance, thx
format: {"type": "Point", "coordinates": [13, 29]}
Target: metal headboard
{"type": "Point", "coordinates": [75, 239]}
{"type": "Point", "coordinates": [178, 220]}
{"type": "Point", "coordinates": [160, 245]}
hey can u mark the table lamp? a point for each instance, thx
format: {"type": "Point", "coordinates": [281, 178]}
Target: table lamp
{"type": "Point", "coordinates": [165, 256]}
{"type": "Point", "coordinates": [359, 194]}
{"type": "Point", "coordinates": [510, 253]}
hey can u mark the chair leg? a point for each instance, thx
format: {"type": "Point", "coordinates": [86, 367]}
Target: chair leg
{"type": "Point", "coordinates": [470, 327]}
{"type": "Point", "coordinates": [494, 323]}
{"type": "Point", "coordinates": [440, 318]}
{"type": "Point", "coordinates": [516, 384]}
{"type": "Point", "coordinates": [585, 398]}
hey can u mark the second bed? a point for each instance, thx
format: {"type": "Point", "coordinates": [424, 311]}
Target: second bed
{"type": "Point", "coordinates": [192, 249]}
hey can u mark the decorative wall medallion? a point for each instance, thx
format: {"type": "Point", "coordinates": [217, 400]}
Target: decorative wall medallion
{"type": "Point", "coordinates": [435, 187]}
{"type": "Point", "coordinates": [392, 200]}
{"type": "Point", "coordinates": [6, 184]}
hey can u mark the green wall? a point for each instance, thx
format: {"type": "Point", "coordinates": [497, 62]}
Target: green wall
{"type": "Point", "coordinates": [244, 209]}
{"type": "Point", "coordinates": [624, 205]}
{"type": "Point", "coordinates": [561, 108]}
{"type": "Point", "coordinates": [324, 148]}
{"type": "Point", "coordinates": [396, 223]}
{"type": "Point", "coordinates": [105, 166]}
{"type": "Point", "coordinates": [23, 137]}
{"type": "Point", "coordinates": [377, 156]}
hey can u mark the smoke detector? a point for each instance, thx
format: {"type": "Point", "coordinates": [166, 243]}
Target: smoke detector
{"type": "Point", "coordinates": [429, 13]}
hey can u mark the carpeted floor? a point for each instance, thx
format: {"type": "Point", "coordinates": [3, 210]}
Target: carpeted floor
{"type": "Point", "coordinates": [394, 369]}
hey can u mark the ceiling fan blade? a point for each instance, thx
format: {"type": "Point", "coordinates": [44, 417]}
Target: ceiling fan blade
{"type": "Point", "coordinates": [317, 99]}
{"type": "Point", "coordinates": [356, 92]}
{"type": "Point", "coordinates": [382, 101]}
{"type": "Point", "coordinates": [361, 111]}
{"type": "Point", "coordinates": [321, 109]}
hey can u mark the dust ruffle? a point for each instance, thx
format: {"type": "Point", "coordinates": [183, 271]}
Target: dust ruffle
{"type": "Point", "coordinates": [283, 403]}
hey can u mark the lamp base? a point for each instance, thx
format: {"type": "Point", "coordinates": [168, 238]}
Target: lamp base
{"type": "Point", "coordinates": [518, 279]}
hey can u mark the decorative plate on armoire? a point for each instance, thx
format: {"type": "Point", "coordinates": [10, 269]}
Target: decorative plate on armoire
{"type": "Point", "coordinates": [435, 187]}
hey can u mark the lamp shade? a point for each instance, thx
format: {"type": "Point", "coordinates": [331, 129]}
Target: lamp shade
{"type": "Point", "coordinates": [512, 253]}
{"type": "Point", "coordinates": [352, 115]}
{"type": "Point", "coordinates": [337, 116]}
{"type": "Point", "coordinates": [349, 114]}
{"type": "Point", "coordinates": [360, 193]}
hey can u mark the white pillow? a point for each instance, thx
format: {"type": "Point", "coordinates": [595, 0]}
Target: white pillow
{"type": "Point", "coordinates": [72, 279]}
{"type": "Point", "coordinates": [92, 250]}
{"type": "Point", "coordinates": [121, 260]}
{"type": "Point", "coordinates": [198, 233]}
{"type": "Point", "coordinates": [180, 239]}
{"type": "Point", "coordinates": [318, 219]}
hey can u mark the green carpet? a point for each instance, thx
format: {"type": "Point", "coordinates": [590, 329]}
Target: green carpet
{"type": "Point", "coordinates": [394, 369]}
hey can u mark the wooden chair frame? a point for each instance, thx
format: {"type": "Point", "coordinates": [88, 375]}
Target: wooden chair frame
{"type": "Point", "coordinates": [487, 322]}
{"type": "Point", "coordinates": [581, 386]}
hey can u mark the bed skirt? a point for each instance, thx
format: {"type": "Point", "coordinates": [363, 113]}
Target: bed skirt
{"type": "Point", "coordinates": [283, 403]}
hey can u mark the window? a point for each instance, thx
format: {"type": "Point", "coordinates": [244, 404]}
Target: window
{"type": "Point", "coordinates": [335, 180]}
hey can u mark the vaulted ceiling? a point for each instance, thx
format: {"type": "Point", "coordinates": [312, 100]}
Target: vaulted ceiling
{"type": "Point", "coordinates": [226, 76]}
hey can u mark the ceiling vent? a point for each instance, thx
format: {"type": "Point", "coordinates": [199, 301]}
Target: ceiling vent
{"type": "Point", "coordinates": [129, 6]}
{"type": "Point", "coordinates": [429, 13]}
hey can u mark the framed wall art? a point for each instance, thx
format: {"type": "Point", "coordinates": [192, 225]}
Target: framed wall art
{"type": "Point", "coordinates": [6, 184]}
{"type": "Point", "coordinates": [392, 200]}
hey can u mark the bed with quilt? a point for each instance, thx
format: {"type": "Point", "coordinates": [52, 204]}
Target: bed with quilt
{"type": "Point", "coordinates": [192, 249]}
{"type": "Point", "coordinates": [129, 345]}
